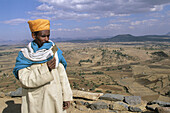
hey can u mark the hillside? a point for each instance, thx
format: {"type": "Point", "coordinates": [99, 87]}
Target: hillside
{"type": "Point", "coordinates": [125, 68]}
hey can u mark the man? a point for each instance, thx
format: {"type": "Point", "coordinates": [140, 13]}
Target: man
{"type": "Point", "coordinates": [40, 69]}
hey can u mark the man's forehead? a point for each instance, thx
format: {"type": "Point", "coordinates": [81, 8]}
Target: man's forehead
{"type": "Point", "coordinates": [44, 32]}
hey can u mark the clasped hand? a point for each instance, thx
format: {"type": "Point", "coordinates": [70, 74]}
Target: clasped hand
{"type": "Point", "coordinates": [51, 64]}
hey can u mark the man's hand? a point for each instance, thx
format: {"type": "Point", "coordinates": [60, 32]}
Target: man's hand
{"type": "Point", "coordinates": [51, 64]}
{"type": "Point", "coordinates": [66, 105]}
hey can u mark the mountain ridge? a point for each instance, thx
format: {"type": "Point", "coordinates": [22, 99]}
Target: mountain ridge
{"type": "Point", "coordinates": [117, 38]}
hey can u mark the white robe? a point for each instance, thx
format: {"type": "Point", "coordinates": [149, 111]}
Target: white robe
{"type": "Point", "coordinates": [44, 91]}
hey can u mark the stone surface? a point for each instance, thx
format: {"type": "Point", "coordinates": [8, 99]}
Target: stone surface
{"type": "Point", "coordinates": [161, 103]}
{"type": "Point", "coordinates": [86, 95]}
{"type": "Point", "coordinates": [111, 106]}
{"type": "Point", "coordinates": [82, 108]}
{"type": "Point", "coordinates": [152, 107]}
{"type": "Point", "coordinates": [2, 95]}
{"type": "Point", "coordinates": [98, 105]}
{"type": "Point", "coordinates": [17, 93]}
{"type": "Point", "coordinates": [112, 97]}
{"type": "Point", "coordinates": [86, 103]}
{"type": "Point", "coordinates": [79, 102]}
{"type": "Point", "coordinates": [121, 106]}
{"type": "Point", "coordinates": [134, 109]}
{"type": "Point", "coordinates": [133, 100]}
{"type": "Point", "coordinates": [163, 109]}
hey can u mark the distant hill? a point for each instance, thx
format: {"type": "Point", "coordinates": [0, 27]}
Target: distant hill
{"type": "Point", "coordinates": [168, 34]}
{"type": "Point", "coordinates": [129, 38]}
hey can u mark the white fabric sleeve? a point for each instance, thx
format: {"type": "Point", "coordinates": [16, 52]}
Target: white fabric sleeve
{"type": "Point", "coordinates": [67, 92]}
{"type": "Point", "coordinates": [32, 78]}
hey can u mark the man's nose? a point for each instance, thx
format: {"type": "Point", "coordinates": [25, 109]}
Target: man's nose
{"type": "Point", "coordinates": [46, 38]}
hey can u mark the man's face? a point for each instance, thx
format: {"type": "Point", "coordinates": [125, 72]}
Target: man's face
{"type": "Point", "coordinates": [42, 37]}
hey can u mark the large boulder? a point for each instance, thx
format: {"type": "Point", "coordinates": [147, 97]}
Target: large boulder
{"type": "Point", "coordinates": [120, 106]}
{"type": "Point", "coordinates": [98, 105]}
{"type": "Point", "coordinates": [133, 100]}
{"type": "Point", "coordinates": [134, 109]}
{"type": "Point", "coordinates": [86, 95]}
{"type": "Point", "coordinates": [112, 97]}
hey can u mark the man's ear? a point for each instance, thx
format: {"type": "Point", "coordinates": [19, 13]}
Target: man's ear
{"type": "Point", "coordinates": [33, 36]}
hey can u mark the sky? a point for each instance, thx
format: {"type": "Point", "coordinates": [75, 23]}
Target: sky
{"type": "Point", "coordinates": [85, 18]}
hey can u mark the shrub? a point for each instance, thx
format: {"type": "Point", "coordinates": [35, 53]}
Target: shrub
{"type": "Point", "coordinates": [108, 91]}
{"type": "Point", "coordinates": [88, 60]}
{"type": "Point", "coordinates": [119, 68]}
{"type": "Point", "coordinates": [99, 91]}
{"type": "Point", "coordinates": [98, 72]}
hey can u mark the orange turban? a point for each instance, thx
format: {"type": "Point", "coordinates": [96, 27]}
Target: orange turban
{"type": "Point", "coordinates": [39, 25]}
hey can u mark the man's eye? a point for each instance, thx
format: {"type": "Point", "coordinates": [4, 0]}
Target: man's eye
{"type": "Point", "coordinates": [45, 36]}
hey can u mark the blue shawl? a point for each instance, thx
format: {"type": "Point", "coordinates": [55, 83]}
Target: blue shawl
{"type": "Point", "coordinates": [22, 62]}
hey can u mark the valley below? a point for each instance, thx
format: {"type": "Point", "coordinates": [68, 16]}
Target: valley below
{"type": "Point", "coordinates": [126, 68]}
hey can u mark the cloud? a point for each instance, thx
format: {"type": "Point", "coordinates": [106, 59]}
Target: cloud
{"type": "Point", "coordinates": [96, 9]}
{"type": "Point", "coordinates": [95, 28]}
{"type": "Point", "coordinates": [113, 26]}
{"type": "Point", "coordinates": [67, 30]}
{"type": "Point", "coordinates": [15, 21]}
{"type": "Point", "coordinates": [44, 7]}
{"type": "Point", "coordinates": [148, 22]}
{"type": "Point", "coordinates": [120, 21]}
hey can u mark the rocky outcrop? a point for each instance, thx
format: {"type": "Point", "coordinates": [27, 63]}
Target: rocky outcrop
{"type": "Point", "coordinates": [120, 103]}
{"type": "Point", "coordinates": [86, 95]}
{"type": "Point", "coordinates": [133, 100]}
{"type": "Point", "coordinates": [112, 97]}
{"type": "Point", "coordinates": [98, 105]}
{"type": "Point", "coordinates": [87, 101]}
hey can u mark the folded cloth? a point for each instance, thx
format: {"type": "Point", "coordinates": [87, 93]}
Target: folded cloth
{"type": "Point", "coordinates": [34, 55]}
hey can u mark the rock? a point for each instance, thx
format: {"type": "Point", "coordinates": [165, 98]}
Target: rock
{"type": "Point", "coordinates": [98, 105]}
{"type": "Point", "coordinates": [79, 102]}
{"type": "Point", "coordinates": [86, 103]}
{"type": "Point", "coordinates": [152, 107]}
{"type": "Point", "coordinates": [133, 100]}
{"type": "Point", "coordinates": [134, 109]}
{"type": "Point", "coordinates": [82, 108]}
{"type": "Point", "coordinates": [86, 95]}
{"type": "Point", "coordinates": [112, 97]}
{"type": "Point", "coordinates": [163, 109]}
{"type": "Point", "coordinates": [161, 103]}
{"type": "Point", "coordinates": [2, 95]}
{"type": "Point", "coordinates": [111, 106]}
{"type": "Point", "coordinates": [17, 93]}
{"type": "Point", "coordinates": [120, 106]}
